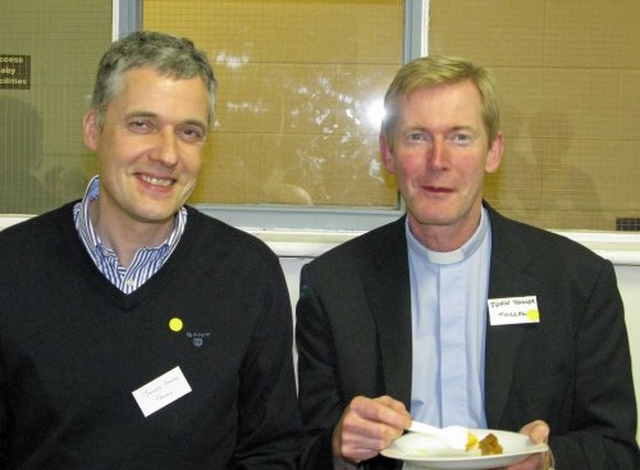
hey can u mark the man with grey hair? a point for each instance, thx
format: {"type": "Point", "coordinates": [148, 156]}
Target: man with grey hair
{"type": "Point", "coordinates": [135, 331]}
{"type": "Point", "coordinates": [456, 315]}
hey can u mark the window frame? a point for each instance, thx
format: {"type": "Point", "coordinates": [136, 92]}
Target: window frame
{"type": "Point", "coordinates": [309, 231]}
{"type": "Point", "coordinates": [127, 17]}
{"type": "Point", "coordinates": [299, 231]}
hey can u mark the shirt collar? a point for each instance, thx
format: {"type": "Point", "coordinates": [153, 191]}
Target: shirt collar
{"type": "Point", "coordinates": [87, 231]}
{"type": "Point", "coordinates": [454, 256]}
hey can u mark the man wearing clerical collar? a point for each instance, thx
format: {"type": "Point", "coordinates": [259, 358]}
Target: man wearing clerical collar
{"type": "Point", "coordinates": [398, 324]}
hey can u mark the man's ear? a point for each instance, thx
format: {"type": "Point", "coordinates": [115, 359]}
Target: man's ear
{"type": "Point", "coordinates": [90, 129]}
{"type": "Point", "coordinates": [494, 156]}
{"type": "Point", "coordinates": [386, 154]}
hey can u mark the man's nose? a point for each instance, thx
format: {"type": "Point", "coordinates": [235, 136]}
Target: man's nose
{"type": "Point", "coordinates": [438, 156]}
{"type": "Point", "coordinates": [167, 150]}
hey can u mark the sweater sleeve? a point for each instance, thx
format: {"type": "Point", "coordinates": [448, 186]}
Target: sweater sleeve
{"type": "Point", "coordinates": [5, 417]}
{"type": "Point", "coordinates": [269, 428]}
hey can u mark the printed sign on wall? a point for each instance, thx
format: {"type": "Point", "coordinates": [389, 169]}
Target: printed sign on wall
{"type": "Point", "coordinates": [15, 72]}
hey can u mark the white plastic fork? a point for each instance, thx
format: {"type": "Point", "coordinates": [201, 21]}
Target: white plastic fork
{"type": "Point", "coordinates": [456, 437]}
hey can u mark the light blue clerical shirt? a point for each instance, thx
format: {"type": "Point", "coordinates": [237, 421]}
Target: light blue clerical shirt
{"type": "Point", "coordinates": [448, 303]}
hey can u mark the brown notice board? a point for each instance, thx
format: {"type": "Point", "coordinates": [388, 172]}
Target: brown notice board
{"type": "Point", "coordinates": [15, 72]}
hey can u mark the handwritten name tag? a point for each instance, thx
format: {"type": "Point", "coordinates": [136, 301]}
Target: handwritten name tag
{"type": "Point", "coordinates": [162, 391]}
{"type": "Point", "coordinates": [513, 310]}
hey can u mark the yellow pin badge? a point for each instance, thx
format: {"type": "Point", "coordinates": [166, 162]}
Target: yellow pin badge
{"type": "Point", "coordinates": [176, 324]}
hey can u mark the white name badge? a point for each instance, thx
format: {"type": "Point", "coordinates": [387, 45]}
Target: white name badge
{"type": "Point", "coordinates": [162, 391]}
{"type": "Point", "coordinates": [513, 310]}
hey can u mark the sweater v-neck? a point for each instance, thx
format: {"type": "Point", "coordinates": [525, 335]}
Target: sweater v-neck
{"type": "Point", "coordinates": [75, 250]}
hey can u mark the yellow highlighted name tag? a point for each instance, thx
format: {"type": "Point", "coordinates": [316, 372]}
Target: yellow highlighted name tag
{"type": "Point", "coordinates": [513, 310]}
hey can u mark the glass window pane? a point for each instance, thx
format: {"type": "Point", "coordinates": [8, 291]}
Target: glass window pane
{"type": "Point", "coordinates": [43, 161]}
{"type": "Point", "coordinates": [300, 97]}
{"type": "Point", "coordinates": [568, 74]}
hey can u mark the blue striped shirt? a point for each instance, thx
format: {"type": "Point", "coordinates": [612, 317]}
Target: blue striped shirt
{"type": "Point", "coordinates": [147, 260]}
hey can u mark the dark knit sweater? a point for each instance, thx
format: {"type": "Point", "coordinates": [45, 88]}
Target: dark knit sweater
{"type": "Point", "coordinates": [73, 348]}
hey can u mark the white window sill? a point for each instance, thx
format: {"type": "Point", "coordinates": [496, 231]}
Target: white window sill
{"type": "Point", "coordinates": [621, 248]}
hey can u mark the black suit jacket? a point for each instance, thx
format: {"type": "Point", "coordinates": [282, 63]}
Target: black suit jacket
{"type": "Point", "coordinates": [572, 369]}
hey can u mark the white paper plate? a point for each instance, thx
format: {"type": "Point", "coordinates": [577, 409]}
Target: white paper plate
{"type": "Point", "coordinates": [423, 451]}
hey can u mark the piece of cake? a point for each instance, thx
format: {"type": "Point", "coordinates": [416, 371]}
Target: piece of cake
{"type": "Point", "coordinates": [490, 445]}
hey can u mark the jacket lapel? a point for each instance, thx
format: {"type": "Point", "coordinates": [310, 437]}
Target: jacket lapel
{"type": "Point", "coordinates": [389, 293]}
{"type": "Point", "coordinates": [509, 258]}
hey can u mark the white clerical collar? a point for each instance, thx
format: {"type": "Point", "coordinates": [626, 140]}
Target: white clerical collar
{"type": "Point", "coordinates": [455, 256]}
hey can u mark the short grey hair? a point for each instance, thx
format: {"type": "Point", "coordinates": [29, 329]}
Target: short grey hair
{"type": "Point", "coordinates": [168, 55]}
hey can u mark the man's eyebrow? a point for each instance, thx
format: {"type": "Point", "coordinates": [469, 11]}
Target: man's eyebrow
{"type": "Point", "coordinates": [196, 122]}
{"type": "Point", "coordinates": [471, 129]}
{"type": "Point", "coordinates": [149, 114]}
{"type": "Point", "coordinates": [140, 114]}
